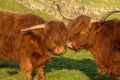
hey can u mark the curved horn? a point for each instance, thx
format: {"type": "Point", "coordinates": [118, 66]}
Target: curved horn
{"type": "Point", "coordinates": [108, 14]}
{"type": "Point", "coordinates": [34, 27]}
{"type": "Point", "coordinates": [62, 14]}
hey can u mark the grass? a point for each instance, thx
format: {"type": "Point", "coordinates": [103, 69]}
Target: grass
{"type": "Point", "coordinates": [101, 2]}
{"type": "Point", "coordinates": [70, 66]}
{"type": "Point", "coordinates": [14, 6]}
{"type": "Point", "coordinates": [73, 66]}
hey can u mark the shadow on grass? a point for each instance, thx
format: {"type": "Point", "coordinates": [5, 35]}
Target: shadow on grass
{"type": "Point", "coordinates": [87, 66]}
{"type": "Point", "coordinates": [9, 68]}
{"type": "Point", "coordinates": [12, 65]}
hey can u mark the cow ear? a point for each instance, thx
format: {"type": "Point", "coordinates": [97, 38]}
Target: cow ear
{"type": "Point", "coordinates": [38, 32]}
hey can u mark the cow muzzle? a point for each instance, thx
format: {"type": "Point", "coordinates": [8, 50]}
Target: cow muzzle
{"type": "Point", "coordinates": [70, 44]}
{"type": "Point", "coordinates": [59, 51]}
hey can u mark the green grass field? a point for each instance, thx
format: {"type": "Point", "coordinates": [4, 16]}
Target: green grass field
{"type": "Point", "coordinates": [70, 66]}
{"type": "Point", "coordinates": [14, 6]}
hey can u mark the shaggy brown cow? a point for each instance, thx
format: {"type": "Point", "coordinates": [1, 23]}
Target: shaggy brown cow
{"type": "Point", "coordinates": [23, 39]}
{"type": "Point", "coordinates": [102, 38]}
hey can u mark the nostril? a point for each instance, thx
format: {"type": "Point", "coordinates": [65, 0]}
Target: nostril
{"type": "Point", "coordinates": [70, 44]}
{"type": "Point", "coordinates": [63, 50]}
{"type": "Point", "coordinates": [60, 50]}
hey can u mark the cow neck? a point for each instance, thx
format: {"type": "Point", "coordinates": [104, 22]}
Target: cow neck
{"type": "Point", "coordinates": [90, 29]}
{"type": "Point", "coordinates": [91, 36]}
{"type": "Point", "coordinates": [93, 33]}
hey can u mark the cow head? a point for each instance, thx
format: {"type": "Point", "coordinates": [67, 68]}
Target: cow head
{"type": "Point", "coordinates": [81, 28]}
{"type": "Point", "coordinates": [56, 37]}
{"type": "Point", "coordinates": [51, 35]}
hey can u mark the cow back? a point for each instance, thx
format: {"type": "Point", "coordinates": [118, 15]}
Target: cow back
{"type": "Point", "coordinates": [10, 30]}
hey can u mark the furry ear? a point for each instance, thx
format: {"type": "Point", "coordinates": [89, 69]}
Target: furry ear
{"type": "Point", "coordinates": [38, 36]}
{"type": "Point", "coordinates": [39, 32]}
{"type": "Point", "coordinates": [35, 33]}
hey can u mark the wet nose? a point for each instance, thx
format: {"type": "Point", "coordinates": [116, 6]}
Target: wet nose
{"type": "Point", "coordinates": [60, 50]}
{"type": "Point", "coordinates": [70, 44]}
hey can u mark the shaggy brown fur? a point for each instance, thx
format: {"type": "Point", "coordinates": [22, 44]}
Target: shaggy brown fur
{"type": "Point", "coordinates": [30, 48]}
{"type": "Point", "coordinates": [101, 38]}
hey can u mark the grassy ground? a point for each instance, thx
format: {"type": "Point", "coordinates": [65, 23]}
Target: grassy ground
{"type": "Point", "coordinates": [71, 66]}
{"type": "Point", "coordinates": [12, 5]}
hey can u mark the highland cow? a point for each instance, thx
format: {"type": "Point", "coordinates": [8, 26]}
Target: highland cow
{"type": "Point", "coordinates": [101, 37]}
{"type": "Point", "coordinates": [30, 40]}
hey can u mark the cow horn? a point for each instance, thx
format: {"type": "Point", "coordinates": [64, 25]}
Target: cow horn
{"type": "Point", "coordinates": [108, 14]}
{"type": "Point", "coordinates": [34, 27]}
{"type": "Point", "coordinates": [62, 14]}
